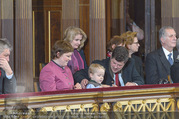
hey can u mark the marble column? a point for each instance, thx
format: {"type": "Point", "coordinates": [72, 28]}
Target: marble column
{"type": "Point", "coordinates": [97, 35]}
{"type": "Point", "coordinates": [24, 44]}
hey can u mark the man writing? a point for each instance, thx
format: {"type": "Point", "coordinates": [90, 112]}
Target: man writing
{"type": "Point", "coordinates": [119, 70]}
{"type": "Point", "coordinates": [7, 78]}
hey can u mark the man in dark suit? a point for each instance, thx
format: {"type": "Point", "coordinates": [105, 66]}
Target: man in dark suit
{"type": "Point", "coordinates": [158, 63]}
{"type": "Point", "coordinates": [174, 70]}
{"type": "Point", "coordinates": [7, 79]}
{"type": "Point", "coordinates": [117, 65]}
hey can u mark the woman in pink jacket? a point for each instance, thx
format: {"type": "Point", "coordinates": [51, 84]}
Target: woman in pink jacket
{"type": "Point", "coordinates": [56, 75]}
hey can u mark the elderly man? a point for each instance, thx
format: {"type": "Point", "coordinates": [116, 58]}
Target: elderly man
{"type": "Point", "coordinates": [118, 70]}
{"type": "Point", "coordinates": [7, 79]}
{"type": "Point", "coordinates": [158, 63]}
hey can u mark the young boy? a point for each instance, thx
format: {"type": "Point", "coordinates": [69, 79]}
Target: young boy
{"type": "Point", "coordinates": [96, 73]}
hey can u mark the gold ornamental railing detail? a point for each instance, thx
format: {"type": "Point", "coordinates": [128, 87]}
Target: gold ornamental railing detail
{"type": "Point", "coordinates": [109, 103]}
{"type": "Point", "coordinates": [148, 105]}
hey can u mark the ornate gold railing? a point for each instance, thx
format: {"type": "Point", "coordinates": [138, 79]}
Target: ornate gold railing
{"type": "Point", "coordinates": [160, 101]}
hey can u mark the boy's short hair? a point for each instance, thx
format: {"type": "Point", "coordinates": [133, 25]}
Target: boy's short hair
{"type": "Point", "coordinates": [94, 68]}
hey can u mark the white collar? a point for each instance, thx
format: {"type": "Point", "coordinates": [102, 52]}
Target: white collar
{"type": "Point", "coordinates": [166, 52]}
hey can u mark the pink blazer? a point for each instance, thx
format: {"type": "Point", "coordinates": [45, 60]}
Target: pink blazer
{"type": "Point", "coordinates": [53, 78]}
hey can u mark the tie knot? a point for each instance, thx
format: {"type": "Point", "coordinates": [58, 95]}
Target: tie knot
{"type": "Point", "coordinates": [169, 55]}
{"type": "Point", "coordinates": [170, 58]}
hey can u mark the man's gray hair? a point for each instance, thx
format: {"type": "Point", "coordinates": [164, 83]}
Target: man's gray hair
{"type": "Point", "coordinates": [162, 31]}
{"type": "Point", "coordinates": [4, 44]}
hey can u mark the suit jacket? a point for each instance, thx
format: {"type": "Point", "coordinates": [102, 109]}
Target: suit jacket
{"type": "Point", "coordinates": [157, 66]}
{"type": "Point", "coordinates": [7, 85]}
{"type": "Point", "coordinates": [138, 65]}
{"type": "Point", "coordinates": [129, 73]}
{"type": "Point", "coordinates": [174, 71]}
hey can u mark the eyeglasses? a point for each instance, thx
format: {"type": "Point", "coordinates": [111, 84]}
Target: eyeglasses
{"type": "Point", "coordinates": [136, 43]}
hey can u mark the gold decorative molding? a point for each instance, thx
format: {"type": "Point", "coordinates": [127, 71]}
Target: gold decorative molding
{"type": "Point", "coordinates": [99, 103]}
{"type": "Point", "coordinates": [33, 33]}
{"type": "Point", "coordinates": [147, 105]}
{"type": "Point", "coordinates": [74, 111]}
{"type": "Point", "coordinates": [49, 35]}
{"type": "Point", "coordinates": [105, 107]}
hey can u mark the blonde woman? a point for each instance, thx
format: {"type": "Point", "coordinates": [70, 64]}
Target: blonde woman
{"type": "Point", "coordinates": [76, 37]}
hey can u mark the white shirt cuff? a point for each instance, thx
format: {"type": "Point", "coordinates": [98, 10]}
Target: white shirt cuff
{"type": "Point", "coordinates": [10, 76]}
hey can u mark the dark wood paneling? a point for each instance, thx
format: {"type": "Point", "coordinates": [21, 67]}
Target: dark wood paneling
{"type": "Point", "coordinates": [147, 27]}
{"type": "Point", "coordinates": [153, 27]}
{"type": "Point", "coordinates": [84, 1]}
{"type": "Point", "coordinates": [39, 40]}
{"type": "Point", "coordinates": [55, 20]}
{"type": "Point", "coordinates": [84, 24]}
{"type": "Point", "coordinates": [44, 9]}
{"type": "Point", "coordinates": [108, 20]}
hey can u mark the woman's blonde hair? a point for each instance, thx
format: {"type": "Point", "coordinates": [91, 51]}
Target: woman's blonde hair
{"type": "Point", "coordinates": [129, 38]}
{"type": "Point", "coordinates": [71, 32]}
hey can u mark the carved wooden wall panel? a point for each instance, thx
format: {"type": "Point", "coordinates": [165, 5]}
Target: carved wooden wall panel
{"type": "Point", "coordinates": [84, 24]}
{"type": "Point", "coordinates": [47, 29]}
{"type": "Point", "coordinates": [38, 39]}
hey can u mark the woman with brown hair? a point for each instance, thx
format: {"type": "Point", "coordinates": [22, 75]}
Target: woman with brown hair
{"type": "Point", "coordinates": [115, 41]}
{"type": "Point", "coordinates": [132, 44]}
{"type": "Point", "coordinates": [56, 75]}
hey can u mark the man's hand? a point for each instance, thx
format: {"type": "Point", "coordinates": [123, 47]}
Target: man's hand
{"type": "Point", "coordinates": [103, 86]}
{"type": "Point", "coordinates": [5, 66]}
{"type": "Point", "coordinates": [131, 84]}
{"type": "Point", "coordinates": [113, 85]}
{"type": "Point", "coordinates": [84, 82]}
{"type": "Point", "coordinates": [77, 86]}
